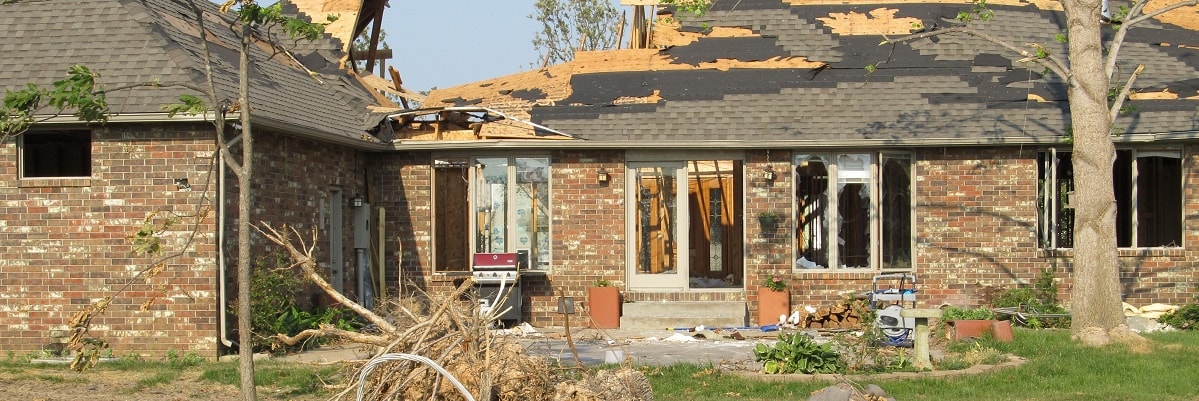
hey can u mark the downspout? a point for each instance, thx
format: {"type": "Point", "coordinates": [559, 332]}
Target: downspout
{"type": "Point", "coordinates": [220, 246]}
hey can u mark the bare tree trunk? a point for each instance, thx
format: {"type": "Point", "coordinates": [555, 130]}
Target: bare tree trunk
{"type": "Point", "coordinates": [1095, 296]}
{"type": "Point", "coordinates": [244, 330]}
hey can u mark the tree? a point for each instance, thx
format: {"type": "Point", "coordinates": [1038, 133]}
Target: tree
{"type": "Point", "coordinates": [80, 92]}
{"type": "Point", "coordinates": [567, 25]}
{"type": "Point", "coordinates": [1090, 64]}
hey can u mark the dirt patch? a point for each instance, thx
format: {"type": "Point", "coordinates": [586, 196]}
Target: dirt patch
{"type": "Point", "coordinates": [38, 384]}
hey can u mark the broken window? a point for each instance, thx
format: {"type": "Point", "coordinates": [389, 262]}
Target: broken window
{"type": "Point", "coordinates": [1148, 191]}
{"type": "Point", "coordinates": [46, 154]}
{"type": "Point", "coordinates": [841, 222]}
{"type": "Point", "coordinates": [511, 202]}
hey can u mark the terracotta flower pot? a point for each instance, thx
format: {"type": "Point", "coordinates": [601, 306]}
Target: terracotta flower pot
{"type": "Point", "coordinates": [771, 304]}
{"type": "Point", "coordinates": [960, 329]}
{"type": "Point", "coordinates": [603, 306]}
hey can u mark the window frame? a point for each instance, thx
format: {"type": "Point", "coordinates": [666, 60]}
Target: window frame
{"type": "Point", "coordinates": [23, 158]}
{"type": "Point", "coordinates": [876, 215]}
{"type": "Point", "coordinates": [1047, 210]}
{"type": "Point", "coordinates": [511, 229]}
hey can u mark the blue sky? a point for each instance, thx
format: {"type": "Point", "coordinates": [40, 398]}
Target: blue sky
{"type": "Point", "coordinates": [447, 43]}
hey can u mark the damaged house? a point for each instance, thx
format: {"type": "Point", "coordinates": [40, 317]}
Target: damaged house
{"type": "Point", "coordinates": [777, 138]}
{"type": "Point", "coordinates": [707, 157]}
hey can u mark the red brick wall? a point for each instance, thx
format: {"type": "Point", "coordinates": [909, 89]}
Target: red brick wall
{"type": "Point", "coordinates": [65, 245]}
{"type": "Point", "coordinates": [293, 180]}
{"type": "Point", "coordinates": [975, 227]}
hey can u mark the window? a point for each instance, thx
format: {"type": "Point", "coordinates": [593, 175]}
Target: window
{"type": "Point", "coordinates": [47, 154]}
{"type": "Point", "coordinates": [511, 198]}
{"type": "Point", "coordinates": [853, 212]}
{"type": "Point", "coordinates": [1148, 190]}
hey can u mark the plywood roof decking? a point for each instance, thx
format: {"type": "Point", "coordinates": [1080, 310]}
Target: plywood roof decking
{"type": "Point", "coordinates": [796, 70]}
{"type": "Point", "coordinates": [347, 16]}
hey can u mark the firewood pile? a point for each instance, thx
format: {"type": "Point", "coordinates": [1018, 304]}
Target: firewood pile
{"type": "Point", "coordinates": [843, 315]}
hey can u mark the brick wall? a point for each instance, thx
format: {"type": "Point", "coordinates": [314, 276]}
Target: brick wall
{"type": "Point", "coordinates": [65, 244]}
{"type": "Point", "coordinates": [975, 229]}
{"type": "Point", "coordinates": [294, 179]}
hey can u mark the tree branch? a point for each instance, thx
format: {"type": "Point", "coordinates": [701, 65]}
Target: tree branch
{"type": "Point", "coordinates": [326, 330]}
{"type": "Point", "coordinates": [1049, 61]}
{"type": "Point", "coordinates": [1118, 102]}
{"type": "Point", "coordinates": [307, 264]}
{"type": "Point", "coordinates": [1135, 17]}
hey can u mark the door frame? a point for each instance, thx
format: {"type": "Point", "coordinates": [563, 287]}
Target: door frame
{"type": "Point", "coordinates": [657, 282]}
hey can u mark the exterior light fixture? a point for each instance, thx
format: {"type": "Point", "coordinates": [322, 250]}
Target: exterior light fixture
{"type": "Point", "coordinates": [601, 176]}
{"type": "Point", "coordinates": [356, 201]}
{"type": "Point", "coordinates": [768, 173]}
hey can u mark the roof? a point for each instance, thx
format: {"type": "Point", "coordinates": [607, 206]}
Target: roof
{"type": "Point", "coordinates": [795, 71]}
{"type": "Point", "coordinates": [156, 41]}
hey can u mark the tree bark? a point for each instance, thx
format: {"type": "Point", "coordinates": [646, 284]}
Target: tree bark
{"type": "Point", "coordinates": [1095, 295]}
{"type": "Point", "coordinates": [244, 328]}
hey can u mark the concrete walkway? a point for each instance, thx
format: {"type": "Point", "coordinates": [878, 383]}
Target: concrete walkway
{"type": "Point", "coordinates": [595, 347]}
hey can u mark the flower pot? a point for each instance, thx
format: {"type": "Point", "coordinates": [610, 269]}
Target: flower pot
{"type": "Point", "coordinates": [771, 304]}
{"type": "Point", "coordinates": [1001, 330]}
{"type": "Point", "coordinates": [961, 329]}
{"type": "Point", "coordinates": [603, 306]}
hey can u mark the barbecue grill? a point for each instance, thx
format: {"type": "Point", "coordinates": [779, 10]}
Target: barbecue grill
{"type": "Point", "coordinates": [497, 283]}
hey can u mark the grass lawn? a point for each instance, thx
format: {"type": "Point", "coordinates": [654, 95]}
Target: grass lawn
{"type": "Point", "coordinates": [1057, 369]}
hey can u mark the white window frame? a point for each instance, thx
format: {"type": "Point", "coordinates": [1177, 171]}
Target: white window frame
{"type": "Point", "coordinates": [875, 217]}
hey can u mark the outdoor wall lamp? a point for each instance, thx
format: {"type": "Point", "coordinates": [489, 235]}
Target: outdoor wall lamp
{"type": "Point", "coordinates": [356, 201]}
{"type": "Point", "coordinates": [768, 173]}
{"type": "Point", "coordinates": [601, 176]}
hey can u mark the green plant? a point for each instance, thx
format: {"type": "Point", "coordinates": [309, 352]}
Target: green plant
{"type": "Point", "coordinates": [798, 353]}
{"type": "Point", "coordinates": [769, 219]}
{"type": "Point", "coordinates": [603, 283]}
{"type": "Point", "coordinates": [775, 283]}
{"type": "Point", "coordinates": [273, 288]}
{"type": "Point", "coordinates": [956, 313]}
{"type": "Point", "coordinates": [1185, 318]}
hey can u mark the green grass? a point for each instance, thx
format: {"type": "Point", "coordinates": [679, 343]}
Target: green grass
{"type": "Point", "coordinates": [290, 379]}
{"type": "Point", "coordinates": [1057, 369]}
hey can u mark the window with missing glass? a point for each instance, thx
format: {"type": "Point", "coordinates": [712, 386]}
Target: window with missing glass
{"type": "Point", "coordinates": [853, 211]}
{"type": "Point", "coordinates": [1148, 188]}
{"type": "Point", "coordinates": [55, 154]}
{"type": "Point", "coordinates": [511, 199]}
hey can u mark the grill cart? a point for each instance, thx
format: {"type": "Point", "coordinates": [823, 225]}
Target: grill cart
{"type": "Point", "coordinates": [889, 294]}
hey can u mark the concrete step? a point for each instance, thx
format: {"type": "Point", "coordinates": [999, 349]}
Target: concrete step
{"type": "Point", "coordinates": [660, 315]}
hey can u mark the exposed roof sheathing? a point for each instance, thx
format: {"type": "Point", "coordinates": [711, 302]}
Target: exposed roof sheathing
{"type": "Point", "coordinates": [347, 16]}
{"type": "Point", "coordinates": [771, 70]}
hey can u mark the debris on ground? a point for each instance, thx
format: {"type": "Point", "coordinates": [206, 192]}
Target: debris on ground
{"type": "Point", "coordinates": [845, 391]}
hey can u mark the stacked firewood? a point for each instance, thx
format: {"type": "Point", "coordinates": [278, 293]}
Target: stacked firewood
{"type": "Point", "coordinates": [843, 315]}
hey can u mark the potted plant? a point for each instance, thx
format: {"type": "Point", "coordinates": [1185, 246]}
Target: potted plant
{"type": "Point", "coordinates": [769, 220]}
{"type": "Point", "coordinates": [603, 305]}
{"type": "Point", "coordinates": [967, 322]}
{"type": "Point", "coordinates": [773, 300]}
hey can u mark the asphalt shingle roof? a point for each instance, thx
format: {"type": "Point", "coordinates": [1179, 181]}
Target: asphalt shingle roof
{"type": "Point", "coordinates": [143, 41]}
{"type": "Point", "coordinates": [951, 88]}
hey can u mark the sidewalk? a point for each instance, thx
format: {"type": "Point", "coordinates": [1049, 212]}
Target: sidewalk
{"type": "Point", "coordinates": [598, 346]}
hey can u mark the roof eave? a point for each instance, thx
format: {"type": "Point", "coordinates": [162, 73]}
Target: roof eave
{"type": "Point", "coordinates": [775, 144]}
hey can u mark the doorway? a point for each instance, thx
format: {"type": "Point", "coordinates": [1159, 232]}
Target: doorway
{"type": "Point", "coordinates": [686, 228]}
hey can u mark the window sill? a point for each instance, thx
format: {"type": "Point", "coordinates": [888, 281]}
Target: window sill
{"type": "Point", "coordinates": [1124, 252]}
{"type": "Point", "coordinates": [54, 182]}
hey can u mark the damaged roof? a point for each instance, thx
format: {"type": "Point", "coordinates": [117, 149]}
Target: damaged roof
{"type": "Point", "coordinates": [129, 42]}
{"type": "Point", "coordinates": [794, 71]}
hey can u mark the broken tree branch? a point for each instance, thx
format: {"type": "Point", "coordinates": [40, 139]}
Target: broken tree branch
{"type": "Point", "coordinates": [307, 264]}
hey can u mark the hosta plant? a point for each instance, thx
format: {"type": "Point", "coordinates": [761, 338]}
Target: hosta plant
{"type": "Point", "coordinates": [798, 353]}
